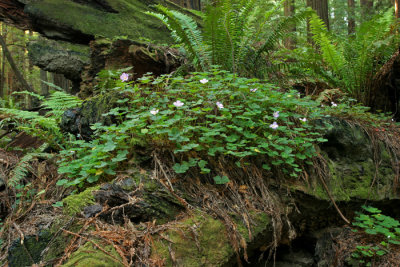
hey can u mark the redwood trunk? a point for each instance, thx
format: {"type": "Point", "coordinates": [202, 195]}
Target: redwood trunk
{"type": "Point", "coordinates": [367, 9]}
{"type": "Point", "coordinates": [13, 66]}
{"type": "Point", "coordinates": [289, 11]}
{"type": "Point", "coordinates": [351, 24]}
{"type": "Point", "coordinates": [321, 7]}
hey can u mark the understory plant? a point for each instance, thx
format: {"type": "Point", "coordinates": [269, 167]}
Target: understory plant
{"type": "Point", "coordinates": [229, 36]}
{"type": "Point", "coordinates": [351, 62]}
{"type": "Point", "coordinates": [45, 127]}
{"type": "Point", "coordinates": [203, 119]}
{"type": "Point", "coordinates": [384, 230]}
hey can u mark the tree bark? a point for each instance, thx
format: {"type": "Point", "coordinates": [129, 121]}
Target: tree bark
{"type": "Point", "coordinates": [13, 66]}
{"type": "Point", "coordinates": [289, 10]}
{"type": "Point", "coordinates": [321, 7]}
{"type": "Point", "coordinates": [44, 88]}
{"type": "Point", "coordinates": [367, 9]}
{"type": "Point", "coordinates": [396, 8]}
{"type": "Point", "coordinates": [192, 4]}
{"type": "Point", "coordinates": [351, 23]}
{"type": "Point", "coordinates": [3, 61]}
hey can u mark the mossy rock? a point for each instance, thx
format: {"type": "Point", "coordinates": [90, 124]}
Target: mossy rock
{"type": "Point", "coordinates": [123, 18]}
{"type": "Point", "coordinates": [89, 255]}
{"type": "Point", "coordinates": [78, 121]}
{"type": "Point", "coordinates": [201, 240]}
{"type": "Point", "coordinates": [34, 245]}
{"type": "Point", "coordinates": [351, 159]}
{"type": "Point", "coordinates": [74, 204]}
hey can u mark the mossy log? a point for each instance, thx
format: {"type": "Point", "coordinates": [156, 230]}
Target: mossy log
{"type": "Point", "coordinates": [81, 21]}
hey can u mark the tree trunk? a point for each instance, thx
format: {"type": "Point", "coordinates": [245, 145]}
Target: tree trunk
{"type": "Point", "coordinates": [13, 66]}
{"type": "Point", "coordinates": [367, 9]}
{"type": "Point", "coordinates": [351, 24]}
{"type": "Point", "coordinates": [321, 7]}
{"type": "Point", "coordinates": [396, 8]}
{"type": "Point", "coordinates": [289, 10]}
{"type": "Point", "coordinates": [3, 61]}
{"type": "Point", "coordinates": [192, 4]}
{"type": "Point", "coordinates": [44, 88]}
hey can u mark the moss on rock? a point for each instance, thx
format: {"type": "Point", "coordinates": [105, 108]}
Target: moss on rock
{"type": "Point", "coordinates": [74, 204]}
{"type": "Point", "coordinates": [201, 240]}
{"type": "Point", "coordinates": [129, 20]}
{"type": "Point", "coordinates": [89, 255]}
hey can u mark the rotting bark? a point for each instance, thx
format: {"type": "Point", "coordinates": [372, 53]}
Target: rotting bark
{"type": "Point", "coordinates": [118, 54]}
{"type": "Point", "coordinates": [12, 12]}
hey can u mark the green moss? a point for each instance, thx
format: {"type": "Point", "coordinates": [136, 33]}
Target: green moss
{"type": "Point", "coordinates": [353, 180]}
{"type": "Point", "coordinates": [261, 223]}
{"type": "Point", "coordinates": [89, 255]}
{"type": "Point", "coordinates": [130, 20]}
{"type": "Point", "coordinates": [196, 241]}
{"type": "Point", "coordinates": [75, 203]}
{"type": "Point", "coordinates": [30, 251]}
{"type": "Point", "coordinates": [60, 239]}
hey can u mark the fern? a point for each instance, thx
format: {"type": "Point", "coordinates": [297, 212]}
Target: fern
{"type": "Point", "coordinates": [44, 127]}
{"type": "Point", "coordinates": [332, 54]}
{"type": "Point", "coordinates": [352, 63]}
{"type": "Point", "coordinates": [185, 31]}
{"type": "Point", "coordinates": [58, 102]}
{"type": "Point", "coordinates": [23, 167]}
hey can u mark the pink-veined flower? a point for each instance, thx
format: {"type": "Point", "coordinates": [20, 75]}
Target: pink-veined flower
{"type": "Point", "coordinates": [276, 114]}
{"type": "Point", "coordinates": [273, 125]}
{"type": "Point", "coordinates": [334, 104]}
{"type": "Point", "coordinates": [154, 111]}
{"type": "Point", "coordinates": [178, 103]}
{"type": "Point", "coordinates": [124, 77]}
{"type": "Point", "coordinates": [303, 119]}
{"type": "Point", "coordinates": [220, 105]}
{"type": "Point", "coordinates": [204, 81]}
{"type": "Point", "coordinates": [253, 90]}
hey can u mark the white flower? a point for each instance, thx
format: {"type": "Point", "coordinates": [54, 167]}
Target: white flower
{"type": "Point", "coordinates": [178, 103]}
{"type": "Point", "coordinates": [322, 105]}
{"type": "Point", "coordinates": [276, 114]}
{"type": "Point", "coordinates": [204, 81]}
{"type": "Point", "coordinates": [154, 111]}
{"type": "Point", "coordinates": [253, 90]}
{"type": "Point", "coordinates": [124, 77]}
{"type": "Point", "coordinates": [220, 105]}
{"type": "Point", "coordinates": [334, 104]}
{"type": "Point", "coordinates": [388, 236]}
{"type": "Point", "coordinates": [303, 119]}
{"type": "Point", "coordinates": [274, 125]}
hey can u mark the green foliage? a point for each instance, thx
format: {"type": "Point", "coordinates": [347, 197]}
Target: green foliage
{"type": "Point", "coordinates": [351, 62]}
{"type": "Point", "coordinates": [230, 35]}
{"type": "Point", "coordinates": [87, 161]}
{"type": "Point", "coordinates": [185, 31]}
{"type": "Point", "coordinates": [43, 127]}
{"type": "Point", "coordinates": [202, 119]}
{"type": "Point", "coordinates": [22, 169]}
{"type": "Point", "coordinates": [58, 102]}
{"type": "Point", "coordinates": [374, 223]}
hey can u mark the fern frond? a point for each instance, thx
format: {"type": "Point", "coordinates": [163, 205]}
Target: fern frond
{"type": "Point", "coordinates": [58, 102]}
{"type": "Point", "coordinates": [185, 31]}
{"type": "Point", "coordinates": [23, 167]}
{"type": "Point", "coordinates": [332, 55]}
{"type": "Point", "coordinates": [279, 30]}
